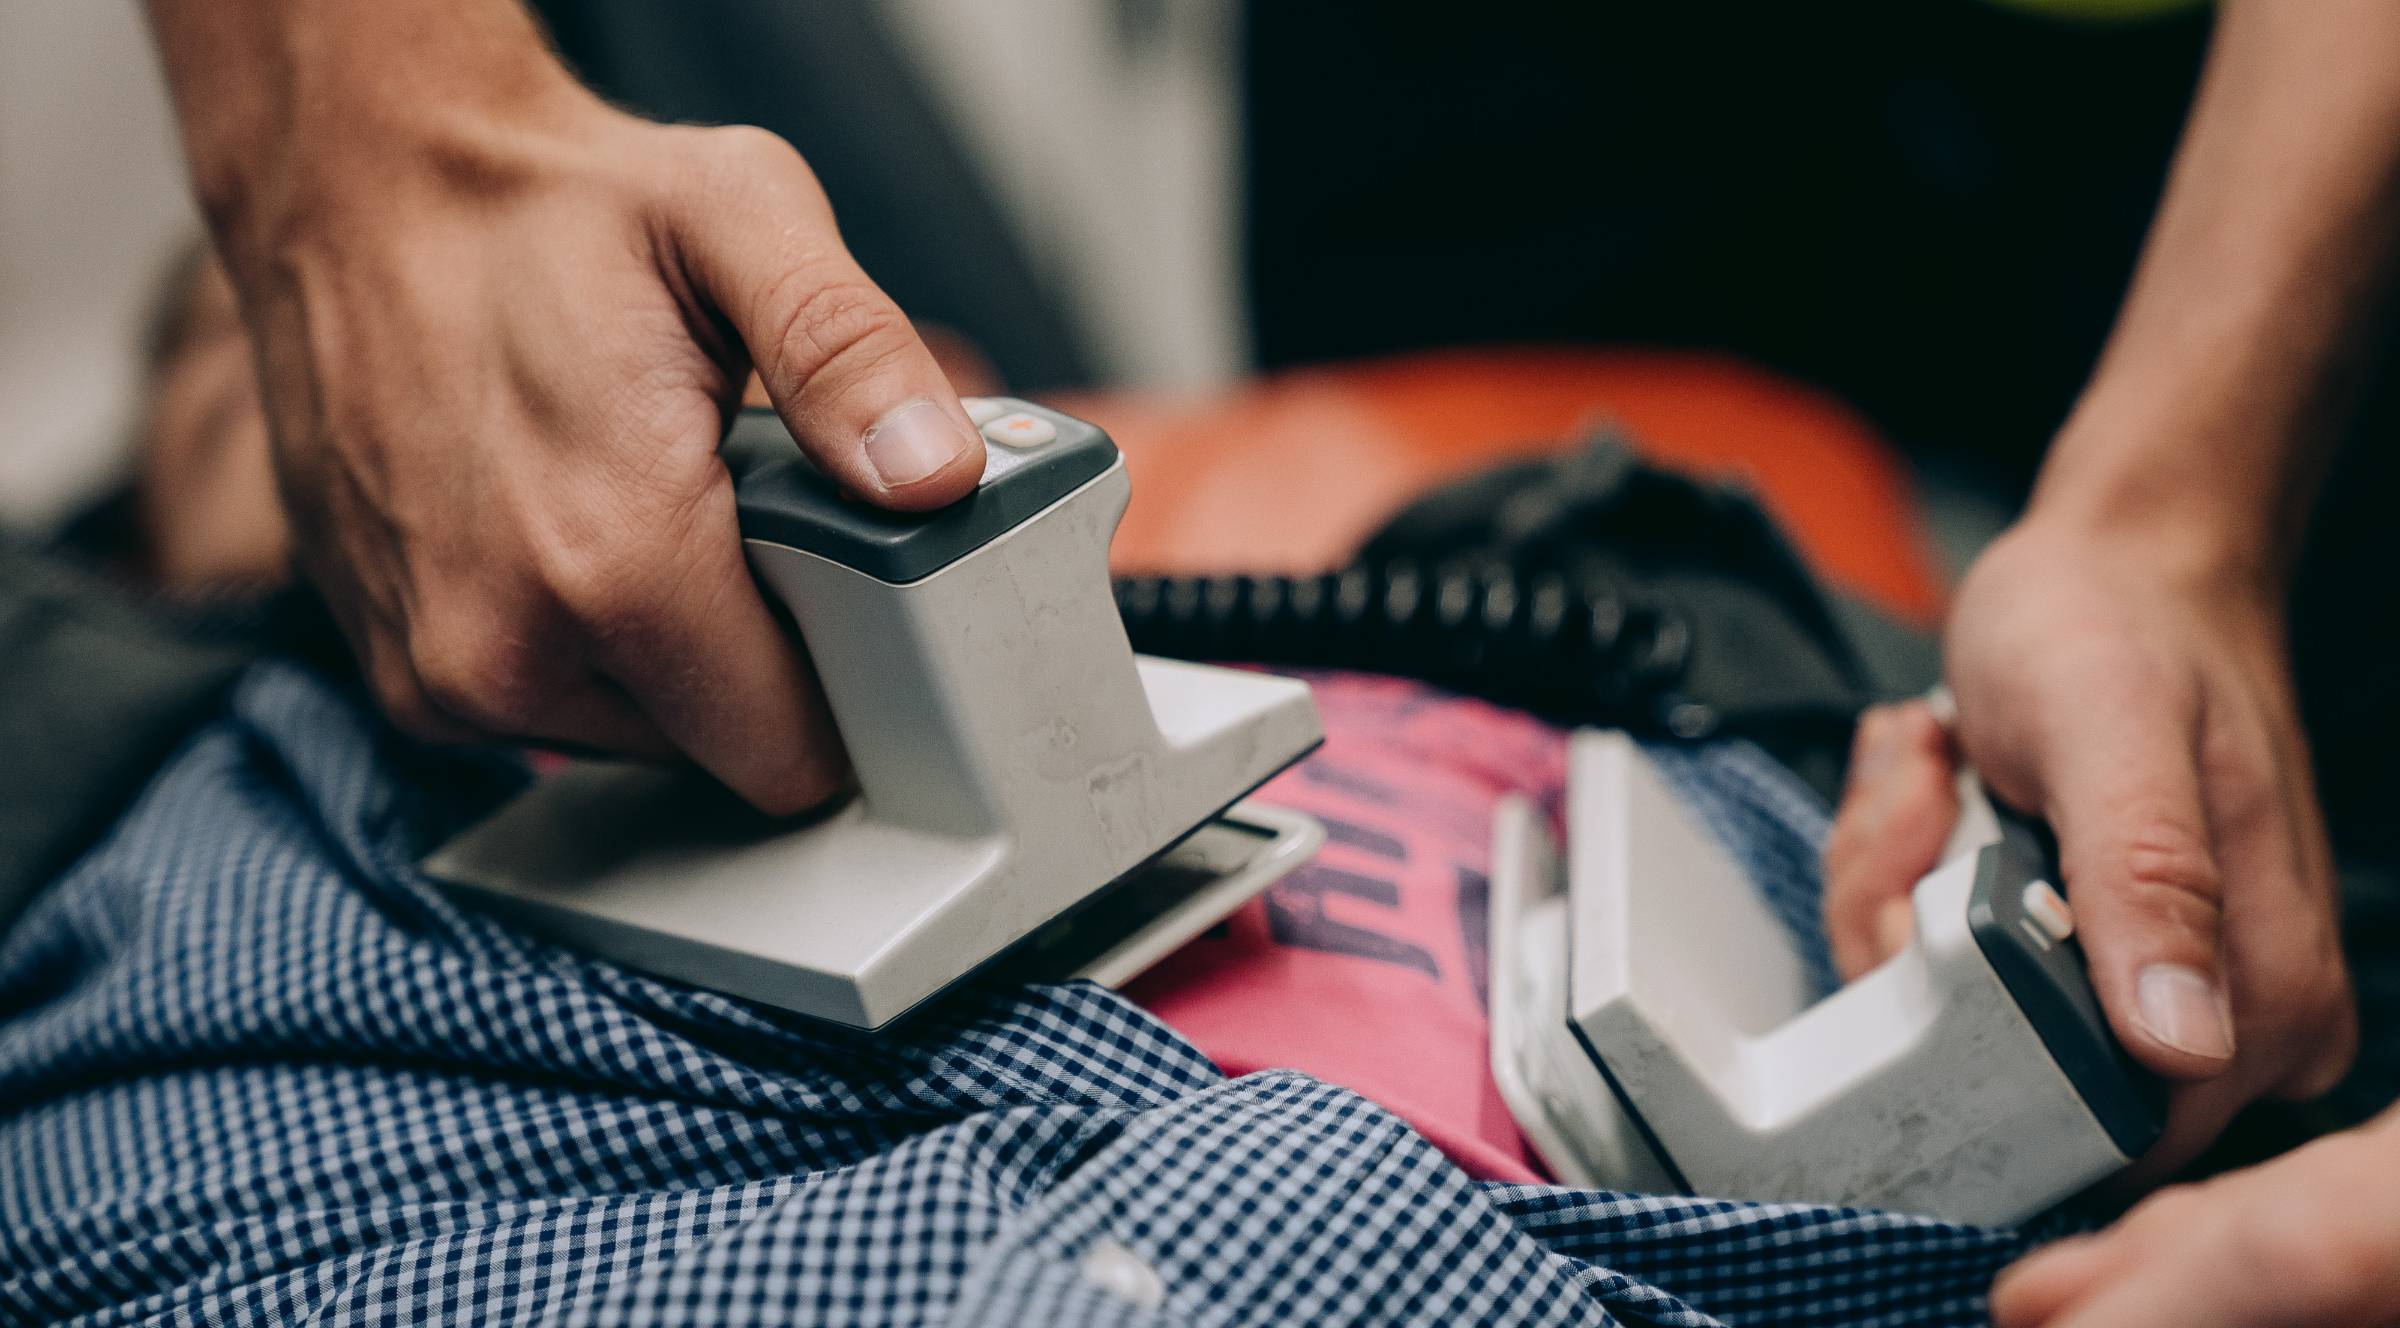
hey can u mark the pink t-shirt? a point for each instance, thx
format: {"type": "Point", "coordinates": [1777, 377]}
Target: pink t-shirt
{"type": "Point", "coordinates": [1367, 966]}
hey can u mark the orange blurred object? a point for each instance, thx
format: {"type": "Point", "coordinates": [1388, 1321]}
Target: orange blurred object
{"type": "Point", "coordinates": [1291, 473]}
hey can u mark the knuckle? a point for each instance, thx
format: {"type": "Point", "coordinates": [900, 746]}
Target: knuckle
{"type": "Point", "coordinates": [406, 706]}
{"type": "Point", "coordinates": [582, 585]}
{"type": "Point", "coordinates": [715, 171]}
{"type": "Point", "coordinates": [2165, 876]}
{"type": "Point", "coordinates": [750, 148]}
{"type": "Point", "coordinates": [607, 597]}
{"type": "Point", "coordinates": [834, 321]}
{"type": "Point", "coordinates": [410, 713]}
{"type": "Point", "coordinates": [483, 675]}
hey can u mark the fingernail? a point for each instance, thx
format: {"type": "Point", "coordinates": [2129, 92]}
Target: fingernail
{"type": "Point", "coordinates": [914, 441]}
{"type": "Point", "coordinates": [2185, 1009]}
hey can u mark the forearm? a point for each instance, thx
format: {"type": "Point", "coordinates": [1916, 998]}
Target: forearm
{"type": "Point", "coordinates": [273, 96]}
{"type": "Point", "coordinates": [2205, 427]}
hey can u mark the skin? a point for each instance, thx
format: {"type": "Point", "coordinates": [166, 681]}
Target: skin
{"type": "Point", "coordinates": [2312, 1237]}
{"type": "Point", "coordinates": [2119, 665]}
{"type": "Point", "coordinates": [209, 515]}
{"type": "Point", "coordinates": [497, 326]}
{"type": "Point", "coordinates": [210, 518]}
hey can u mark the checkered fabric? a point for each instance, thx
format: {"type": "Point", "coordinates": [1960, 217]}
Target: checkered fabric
{"type": "Point", "coordinates": [253, 1069]}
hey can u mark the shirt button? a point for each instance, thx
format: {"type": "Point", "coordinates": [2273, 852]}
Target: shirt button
{"type": "Point", "coordinates": [1123, 1274]}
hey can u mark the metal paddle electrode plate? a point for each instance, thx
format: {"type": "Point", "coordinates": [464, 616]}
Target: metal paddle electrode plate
{"type": "Point", "coordinates": [1014, 757]}
{"type": "Point", "coordinates": [1158, 907]}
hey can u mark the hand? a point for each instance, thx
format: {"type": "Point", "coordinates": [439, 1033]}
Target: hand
{"type": "Point", "coordinates": [210, 518]}
{"type": "Point", "coordinates": [2145, 709]}
{"type": "Point", "coordinates": [2311, 1238]}
{"type": "Point", "coordinates": [497, 343]}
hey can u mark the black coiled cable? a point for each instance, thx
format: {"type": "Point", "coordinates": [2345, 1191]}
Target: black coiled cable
{"type": "Point", "coordinates": [1577, 650]}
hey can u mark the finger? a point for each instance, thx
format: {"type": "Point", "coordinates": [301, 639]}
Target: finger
{"type": "Point", "coordinates": [698, 652]}
{"type": "Point", "coordinates": [846, 370]}
{"type": "Point", "coordinates": [2205, 1281]}
{"type": "Point", "coordinates": [2304, 1239]}
{"type": "Point", "coordinates": [2297, 906]}
{"type": "Point", "coordinates": [2122, 789]}
{"type": "Point", "coordinates": [599, 719]}
{"type": "Point", "coordinates": [378, 642]}
{"type": "Point", "coordinates": [2037, 1288]}
{"type": "Point", "coordinates": [2284, 947]}
{"type": "Point", "coordinates": [411, 706]}
{"type": "Point", "coordinates": [380, 650]}
{"type": "Point", "coordinates": [492, 669]}
{"type": "Point", "coordinates": [2057, 1280]}
{"type": "Point", "coordinates": [2166, 1294]}
{"type": "Point", "coordinates": [1896, 812]}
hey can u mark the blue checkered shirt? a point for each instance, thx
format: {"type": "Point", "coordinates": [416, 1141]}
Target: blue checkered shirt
{"type": "Point", "coordinates": [254, 1069]}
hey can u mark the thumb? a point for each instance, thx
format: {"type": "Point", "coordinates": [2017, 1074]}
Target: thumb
{"type": "Point", "coordinates": [2121, 786]}
{"type": "Point", "coordinates": [844, 366]}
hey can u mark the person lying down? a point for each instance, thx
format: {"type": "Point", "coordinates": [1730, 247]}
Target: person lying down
{"type": "Point", "coordinates": [254, 1066]}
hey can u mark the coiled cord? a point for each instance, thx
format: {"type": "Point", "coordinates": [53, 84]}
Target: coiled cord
{"type": "Point", "coordinates": [1576, 650]}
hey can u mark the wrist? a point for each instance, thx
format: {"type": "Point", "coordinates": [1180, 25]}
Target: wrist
{"type": "Point", "coordinates": [2205, 494]}
{"type": "Point", "coordinates": [2176, 544]}
{"type": "Point", "coordinates": [291, 110]}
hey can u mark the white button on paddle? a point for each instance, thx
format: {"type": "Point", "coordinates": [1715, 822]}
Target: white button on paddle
{"type": "Point", "coordinates": [983, 410]}
{"type": "Point", "coordinates": [1021, 430]}
{"type": "Point", "coordinates": [2049, 910]}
